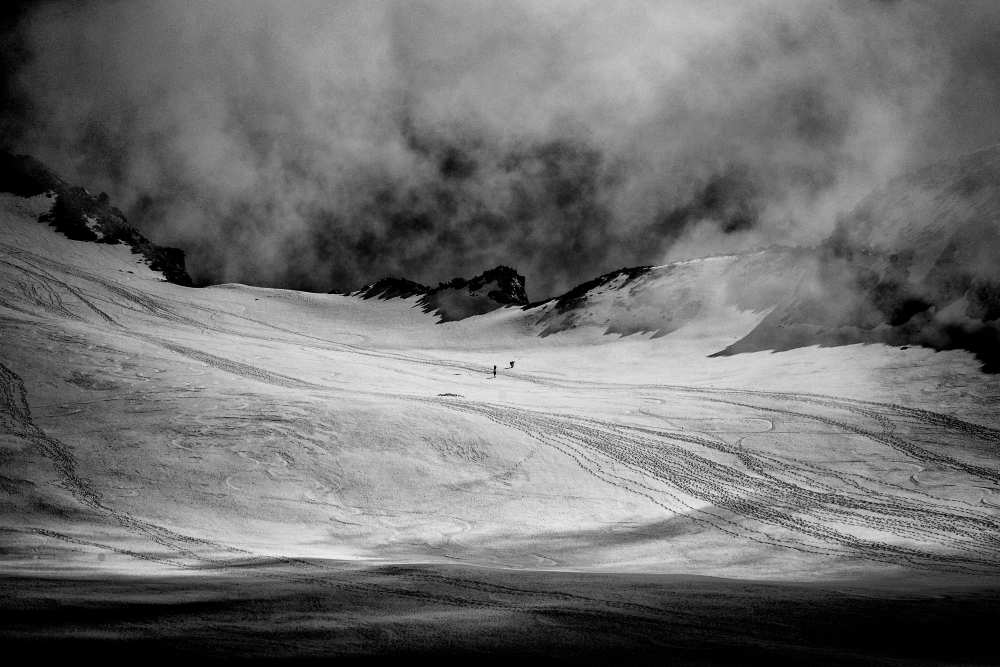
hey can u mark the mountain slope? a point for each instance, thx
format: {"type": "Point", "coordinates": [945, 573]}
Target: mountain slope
{"type": "Point", "coordinates": [662, 299]}
{"type": "Point", "coordinates": [82, 216]}
{"type": "Point", "coordinates": [148, 425]}
{"type": "Point", "coordinates": [916, 263]}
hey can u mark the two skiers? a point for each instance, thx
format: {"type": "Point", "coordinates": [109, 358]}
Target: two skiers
{"type": "Point", "coordinates": [495, 368]}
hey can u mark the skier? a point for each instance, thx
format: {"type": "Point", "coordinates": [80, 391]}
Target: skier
{"type": "Point", "coordinates": [494, 370]}
{"type": "Point", "coordinates": [512, 364]}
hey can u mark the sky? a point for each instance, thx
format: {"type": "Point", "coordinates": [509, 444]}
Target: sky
{"type": "Point", "coordinates": [323, 145]}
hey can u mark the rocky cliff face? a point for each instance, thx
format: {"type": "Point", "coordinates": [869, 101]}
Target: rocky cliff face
{"type": "Point", "coordinates": [82, 216]}
{"type": "Point", "coordinates": [458, 298]}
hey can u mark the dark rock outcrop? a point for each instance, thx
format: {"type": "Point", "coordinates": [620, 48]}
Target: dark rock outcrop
{"type": "Point", "coordinates": [461, 298]}
{"type": "Point", "coordinates": [25, 176]}
{"type": "Point", "coordinates": [82, 216]}
{"type": "Point", "coordinates": [458, 298]}
{"type": "Point", "coordinates": [391, 288]}
{"type": "Point", "coordinates": [578, 294]}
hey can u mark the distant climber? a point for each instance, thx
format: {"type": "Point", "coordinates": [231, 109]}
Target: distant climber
{"type": "Point", "coordinates": [494, 370]}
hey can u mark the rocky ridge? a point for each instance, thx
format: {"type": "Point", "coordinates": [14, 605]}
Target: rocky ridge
{"type": "Point", "coordinates": [82, 216]}
{"type": "Point", "coordinates": [458, 298]}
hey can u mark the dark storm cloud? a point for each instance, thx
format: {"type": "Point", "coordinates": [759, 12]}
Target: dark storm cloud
{"type": "Point", "coordinates": [14, 108]}
{"type": "Point", "coordinates": [322, 145]}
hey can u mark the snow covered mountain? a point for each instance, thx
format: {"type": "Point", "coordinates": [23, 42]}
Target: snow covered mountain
{"type": "Point", "coordinates": [355, 459]}
{"type": "Point", "coordinates": [655, 300]}
{"type": "Point", "coordinates": [913, 264]}
{"type": "Point", "coordinates": [659, 300]}
{"type": "Point", "coordinates": [916, 263]}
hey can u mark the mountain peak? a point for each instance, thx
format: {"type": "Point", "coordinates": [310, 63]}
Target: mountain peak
{"type": "Point", "coordinates": [508, 285]}
{"type": "Point", "coordinates": [457, 298]}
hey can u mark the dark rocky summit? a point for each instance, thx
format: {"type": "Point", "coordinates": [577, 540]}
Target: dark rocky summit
{"type": "Point", "coordinates": [82, 216]}
{"type": "Point", "coordinates": [458, 298]}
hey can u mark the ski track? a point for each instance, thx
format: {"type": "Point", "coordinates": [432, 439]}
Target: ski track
{"type": "Point", "coordinates": [777, 500]}
{"type": "Point", "coordinates": [188, 552]}
{"type": "Point", "coordinates": [16, 420]}
{"type": "Point", "coordinates": [763, 492]}
{"type": "Point", "coordinates": [145, 304]}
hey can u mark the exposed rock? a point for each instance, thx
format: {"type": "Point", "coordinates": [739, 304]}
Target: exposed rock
{"type": "Point", "coordinates": [391, 288]}
{"type": "Point", "coordinates": [458, 298]}
{"type": "Point", "coordinates": [461, 298]}
{"type": "Point", "coordinates": [82, 216]}
{"type": "Point", "coordinates": [25, 176]}
{"type": "Point", "coordinates": [576, 296]}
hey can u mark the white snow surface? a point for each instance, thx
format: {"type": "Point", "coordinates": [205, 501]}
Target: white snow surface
{"type": "Point", "coordinates": [94, 225]}
{"type": "Point", "coordinates": [145, 424]}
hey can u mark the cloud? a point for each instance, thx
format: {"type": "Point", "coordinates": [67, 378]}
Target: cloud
{"type": "Point", "coordinates": [322, 145]}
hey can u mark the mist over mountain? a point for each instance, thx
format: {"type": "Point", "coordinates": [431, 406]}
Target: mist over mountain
{"type": "Point", "coordinates": [318, 145]}
{"type": "Point", "coordinates": [728, 394]}
{"type": "Point", "coordinates": [914, 263]}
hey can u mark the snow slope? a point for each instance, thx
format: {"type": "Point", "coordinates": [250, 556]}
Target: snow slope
{"type": "Point", "coordinates": [914, 264]}
{"type": "Point", "coordinates": [149, 425]}
{"type": "Point", "coordinates": [662, 299]}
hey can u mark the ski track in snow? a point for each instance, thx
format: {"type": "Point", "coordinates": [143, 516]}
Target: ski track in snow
{"type": "Point", "coordinates": [766, 497]}
{"type": "Point", "coordinates": [760, 492]}
{"type": "Point", "coordinates": [192, 553]}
